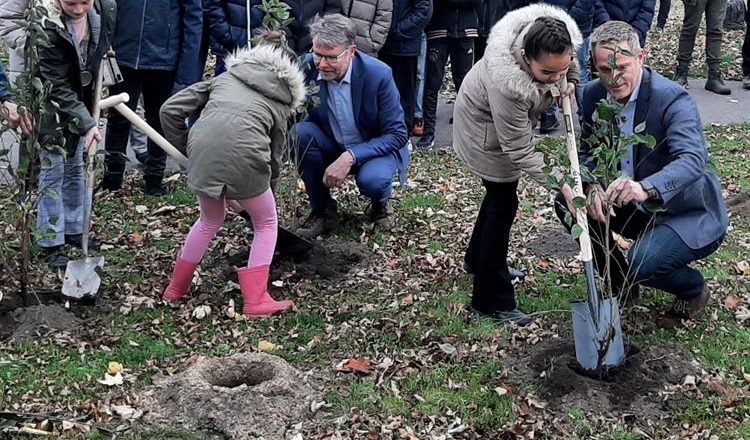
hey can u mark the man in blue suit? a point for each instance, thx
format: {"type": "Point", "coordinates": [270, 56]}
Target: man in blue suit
{"type": "Point", "coordinates": [357, 128]}
{"type": "Point", "coordinates": [692, 218]}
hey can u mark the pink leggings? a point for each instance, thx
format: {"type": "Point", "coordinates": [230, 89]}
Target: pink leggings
{"type": "Point", "coordinates": [262, 210]}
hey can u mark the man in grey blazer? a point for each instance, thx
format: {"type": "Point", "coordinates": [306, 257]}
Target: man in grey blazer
{"type": "Point", "coordinates": [691, 218]}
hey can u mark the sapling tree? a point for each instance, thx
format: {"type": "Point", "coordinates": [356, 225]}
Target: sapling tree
{"type": "Point", "coordinates": [606, 146]}
{"type": "Point", "coordinates": [32, 94]}
{"type": "Point", "coordinates": [276, 16]}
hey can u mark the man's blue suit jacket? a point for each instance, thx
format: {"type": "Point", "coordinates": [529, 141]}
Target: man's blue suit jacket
{"type": "Point", "coordinates": [377, 110]}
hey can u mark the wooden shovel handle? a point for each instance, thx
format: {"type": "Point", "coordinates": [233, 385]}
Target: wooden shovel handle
{"type": "Point", "coordinates": [575, 171]}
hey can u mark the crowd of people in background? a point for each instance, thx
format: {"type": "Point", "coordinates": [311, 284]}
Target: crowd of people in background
{"type": "Point", "coordinates": [379, 65]}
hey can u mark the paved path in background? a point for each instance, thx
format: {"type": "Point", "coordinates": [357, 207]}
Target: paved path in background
{"type": "Point", "coordinates": [714, 109]}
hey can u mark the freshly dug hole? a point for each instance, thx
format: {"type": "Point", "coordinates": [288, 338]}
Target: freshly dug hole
{"type": "Point", "coordinates": [244, 396]}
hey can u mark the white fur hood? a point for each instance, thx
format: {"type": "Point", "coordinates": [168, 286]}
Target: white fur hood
{"type": "Point", "coordinates": [500, 58]}
{"type": "Point", "coordinates": [276, 61]}
{"type": "Point", "coordinates": [54, 12]}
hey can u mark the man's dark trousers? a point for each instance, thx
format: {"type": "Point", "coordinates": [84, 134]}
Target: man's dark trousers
{"type": "Point", "coordinates": [461, 53]}
{"type": "Point", "coordinates": [317, 150]}
{"type": "Point", "coordinates": [156, 86]}
{"type": "Point", "coordinates": [405, 76]}
{"type": "Point", "coordinates": [658, 258]}
{"type": "Point", "coordinates": [694, 9]}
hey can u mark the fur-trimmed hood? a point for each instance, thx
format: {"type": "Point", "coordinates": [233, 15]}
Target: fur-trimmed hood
{"type": "Point", "coordinates": [277, 64]}
{"type": "Point", "coordinates": [501, 56]}
{"type": "Point", "coordinates": [54, 12]}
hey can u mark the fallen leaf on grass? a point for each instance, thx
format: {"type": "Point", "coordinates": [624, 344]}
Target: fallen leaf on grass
{"type": "Point", "coordinates": [229, 310]}
{"type": "Point", "coordinates": [448, 349]}
{"type": "Point", "coordinates": [126, 412]}
{"type": "Point", "coordinates": [501, 391]}
{"type": "Point", "coordinates": [201, 312]}
{"type": "Point", "coordinates": [266, 347]}
{"type": "Point", "coordinates": [743, 268]}
{"type": "Point", "coordinates": [163, 209]}
{"type": "Point", "coordinates": [136, 237]}
{"type": "Point", "coordinates": [114, 368]}
{"type": "Point", "coordinates": [33, 431]}
{"type": "Point", "coordinates": [689, 381]}
{"type": "Point", "coordinates": [356, 365]}
{"type": "Point", "coordinates": [111, 379]}
{"type": "Point", "coordinates": [731, 302]}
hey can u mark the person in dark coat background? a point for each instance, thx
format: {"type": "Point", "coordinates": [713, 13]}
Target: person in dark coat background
{"type": "Point", "coordinates": [401, 49]}
{"type": "Point", "coordinates": [637, 13]}
{"type": "Point", "coordinates": [157, 45]}
{"type": "Point", "coordinates": [490, 13]}
{"type": "Point", "coordinates": [227, 25]}
{"type": "Point", "coordinates": [302, 12]}
{"type": "Point", "coordinates": [450, 34]}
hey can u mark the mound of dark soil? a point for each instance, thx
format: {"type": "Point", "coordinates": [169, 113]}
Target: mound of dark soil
{"type": "Point", "coordinates": [244, 396]}
{"type": "Point", "coordinates": [551, 368]}
{"type": "Point", "coordinates": [553, 243]}
{"type": "Point", "coordinates": [36, 322]}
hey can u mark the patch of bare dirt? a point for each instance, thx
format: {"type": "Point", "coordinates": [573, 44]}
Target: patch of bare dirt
{"type": "Point", "coordinates": [635, 388]}
{"type": "Point", "coordinates": [739, 205]}
{"type": "Point", "coordinates": [330, 259]}
{"type": "Point", "coordinates": [553, 243]}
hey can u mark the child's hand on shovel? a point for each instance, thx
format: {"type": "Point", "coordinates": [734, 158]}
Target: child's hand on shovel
{"type": "Point", "coordinates": [91, 136]}
{"type": "Point", "coordinates": [569, 91]}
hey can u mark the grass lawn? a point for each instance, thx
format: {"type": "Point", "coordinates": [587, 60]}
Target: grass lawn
{"type": "Point", "coordinates": [437, 371]}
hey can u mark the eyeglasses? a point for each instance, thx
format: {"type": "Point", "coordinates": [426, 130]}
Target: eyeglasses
{"type": "Point", "coordinates": [330, 60]}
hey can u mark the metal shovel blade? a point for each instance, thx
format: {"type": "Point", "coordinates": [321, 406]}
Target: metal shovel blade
{"type": "Point", "coordinates": [598, 339]}
{"type": "Point", "coordinates": [81, 279]}
{"type": "Point", "coordinates": [290, 244]}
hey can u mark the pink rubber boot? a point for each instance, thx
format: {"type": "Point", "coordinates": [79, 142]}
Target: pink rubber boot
{"type": "Point", "coordinates": [180, 283]}
{"type": "Point", "coordinates": [257, 303]}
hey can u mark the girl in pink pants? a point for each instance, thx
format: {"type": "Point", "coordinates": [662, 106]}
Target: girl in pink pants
{"type": "Point", "coordinates": [234, 151]}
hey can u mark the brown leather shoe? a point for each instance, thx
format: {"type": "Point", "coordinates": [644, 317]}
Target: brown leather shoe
{"type": "Point", "coordinates": [320, 222]}
{"type": "Point", "coordinates": [693, 308]}
{"type": "Point", "coordinates": [380, 214]}
{"type": "Point", "coordinates": [685, 309]}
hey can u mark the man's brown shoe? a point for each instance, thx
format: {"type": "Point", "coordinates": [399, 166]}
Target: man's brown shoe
{"type": "Point", "coordinates": [685, 309]}
{"type": "Point", "coordinates": [692, 308]}
{"type": "Point", "coordinates": [380, 214]}
{"type": "Point", "coordinates": [319, 222]}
